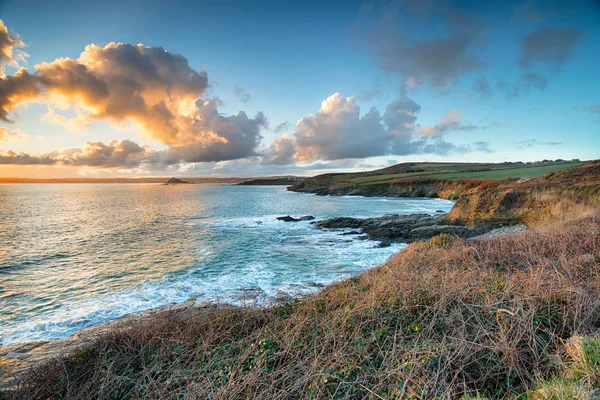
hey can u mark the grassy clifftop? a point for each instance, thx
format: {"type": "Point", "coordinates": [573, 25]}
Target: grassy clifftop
{"type": "Point", "coordinates": [560, 195]}
{"type": "Point", "coordinates": [390, 181]}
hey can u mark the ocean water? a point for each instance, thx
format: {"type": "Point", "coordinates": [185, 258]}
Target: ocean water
{"type": "Point", "coordinates": [72, 256]}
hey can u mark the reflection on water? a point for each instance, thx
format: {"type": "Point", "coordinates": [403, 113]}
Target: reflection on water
{"type": "Point", "coordinates": [75, 255]}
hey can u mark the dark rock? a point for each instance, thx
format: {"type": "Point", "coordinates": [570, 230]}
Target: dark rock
{"type": "Point", "coordinates": [175, 181]}
{"type": "Point", "coordinates": [439, 211]}
{"type": "Point", "coordinates": [283, 297]}
{"type": "Point", "coordinates": [288, 218]}
{"type": "Point", "coordinates": [352, 233]}
{"type": "Point", "coordinates": [400, 228]}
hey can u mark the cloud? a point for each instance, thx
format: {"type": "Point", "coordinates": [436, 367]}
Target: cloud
{"type": "Point", "coordinates": [281, 152]}
{"type": "Point", "coordinates": [482, 86]}
{"type": "Point", "coordinates": [73, 124]}
{"type": "Point", "coordinates": [441, 60]}
{"type": "Point", "coordinates": [542, 10]}
{"type": "Point", "coordinates": [595, 108]}
{"type": "Point", "coordinates": [150, 86]}
{"type": "Point", "coordinates": [282, 127]}
{"type": "Point", "coordinates": [16, 89]}
{"type": "Point", "coordinates": [8, 136]}
{"type": "Point", "coordinates": [526, 83]}
{"type": "Point", "coordinates": [10, 49]}
{"type": "Point", "coordinates": [450, 122]}
{"type": "Point", "coordinates": [527, 144]}
{"type": "Point", "coordinates": [549, 45]}
{"type": "Point", "coordinates": [223, 137]}
{"type": "Point", "coordinates": [114, 154]}
{"type": "Point", "coordinates": [241, 93]}
{"type": "Point", "coordinates": [337, 131]}
{"type": "Point", "coordinates": [369, 94]}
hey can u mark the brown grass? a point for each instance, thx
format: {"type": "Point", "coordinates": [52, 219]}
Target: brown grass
{"type": "Point", "coordinates": [445, 318]}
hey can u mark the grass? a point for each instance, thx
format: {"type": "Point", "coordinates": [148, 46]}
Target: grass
{"type": "Point", "coordinates": [514, 316]}
{"type": "Point", "coordinates": [457, 171]}
{"type": "Point", "coordinates": [499, 174]}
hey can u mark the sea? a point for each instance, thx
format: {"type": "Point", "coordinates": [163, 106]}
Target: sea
{"type": "Point", "coordinates": [76, 255]}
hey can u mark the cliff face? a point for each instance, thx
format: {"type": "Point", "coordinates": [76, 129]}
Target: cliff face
{"type": "Point", "coordinates": [558, 196]}
{"type": "Point", "coordinates": [413, 187]}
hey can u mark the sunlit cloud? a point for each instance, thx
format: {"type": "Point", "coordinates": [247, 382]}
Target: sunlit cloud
{"type": "Point", "coordinates": [338, 131]}
{"type": "Point", "coordinates": [150, 86]}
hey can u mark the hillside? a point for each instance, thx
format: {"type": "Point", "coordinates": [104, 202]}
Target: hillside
{"type": "Point", "coordinates": [436, 179]}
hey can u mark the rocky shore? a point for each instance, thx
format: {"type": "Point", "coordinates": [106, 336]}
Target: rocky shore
{"type": "Point", "coordinates": [402, 228]}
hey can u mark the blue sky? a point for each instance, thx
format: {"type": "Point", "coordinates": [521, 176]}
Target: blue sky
{"type": "Point", "coordinates": [286, 58]}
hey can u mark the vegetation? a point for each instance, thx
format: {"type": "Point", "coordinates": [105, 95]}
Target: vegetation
{"type": "Point", "coordinates": [456, 171]}
{"type": "Point", "coordinates": [514, 316]}
{"type": "Point", "coordinates": [511, 316]}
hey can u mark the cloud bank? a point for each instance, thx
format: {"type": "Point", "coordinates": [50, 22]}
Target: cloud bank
{"type": "Point", "coordinates": [549, 45]}
{"type": "Point", "coordinates": [116, 153]}
{"type": "Point", "coordinates": [150, 86]}
{"type": "Point", "coordinates": [440, 60]}
{"type": "Point", "coordinates": [166, 98]}
{"type": "Point", "coordinates": [337, 131]}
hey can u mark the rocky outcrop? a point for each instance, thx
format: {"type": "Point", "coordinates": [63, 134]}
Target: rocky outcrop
{"type": "Point", "coordinates": [288, 218]}
{"type": "Point", "coordinates": [175, 181]}
{"type": "Point", "coordinates": [402, 228]}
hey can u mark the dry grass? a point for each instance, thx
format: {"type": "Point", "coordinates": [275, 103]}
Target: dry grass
{"type": "Point", "coordinates": [447, 318]}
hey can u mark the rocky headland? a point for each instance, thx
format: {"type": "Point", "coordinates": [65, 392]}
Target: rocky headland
{"type": "Point", "coordinates": [274, 181]}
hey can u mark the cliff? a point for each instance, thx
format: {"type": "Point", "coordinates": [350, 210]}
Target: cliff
{"type": "Point", "coordinates": [490, 203]}
{"type": "Point", "coordinates": [560, 195]}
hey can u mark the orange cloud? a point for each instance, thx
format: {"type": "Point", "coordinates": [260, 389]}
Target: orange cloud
{"type": "Point", "coordinates": [150, 86]}
{"type": "Point", "coordinates": [10, 52]}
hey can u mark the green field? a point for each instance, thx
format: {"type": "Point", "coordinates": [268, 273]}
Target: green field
{"type": "Point", "coordinates": [456, 171]}
{"type": "Point", "coordinates": [526, 172]}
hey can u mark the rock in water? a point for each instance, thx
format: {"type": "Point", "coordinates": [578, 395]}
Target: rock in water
{"type": "Point", "coordinates": [175, 181]}
{"type": "Point", "coordinates": [288, 218]}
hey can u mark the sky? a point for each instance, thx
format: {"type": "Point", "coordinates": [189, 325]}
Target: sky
{"type": "Point", "coordinates": [257, 88]}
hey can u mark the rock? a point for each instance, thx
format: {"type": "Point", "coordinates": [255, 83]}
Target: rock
{"type": "Point", "coordinates": [351, 233]}
{"type": "Point", "coordinates": [283, 297]}
{"type": "Point", "coordinates": [175, 181]}
{"type": "Point", "coordinates": [400, 228]}
{"type": "Point", "coordinates": [439, 211]}
{"type": "Point", "coordinates": [288, 218]}
{"type": "Point", "coordinates": [250, 293]}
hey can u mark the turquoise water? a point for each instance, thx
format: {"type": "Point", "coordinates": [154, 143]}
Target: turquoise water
{"type": "Point", "coordinates": [72, 256]}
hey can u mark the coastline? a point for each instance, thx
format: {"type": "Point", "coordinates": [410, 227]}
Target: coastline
{"type": "Point", "coordinates": [510, 214]}
{"type": "Point", "coordinates": [17, 360]}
